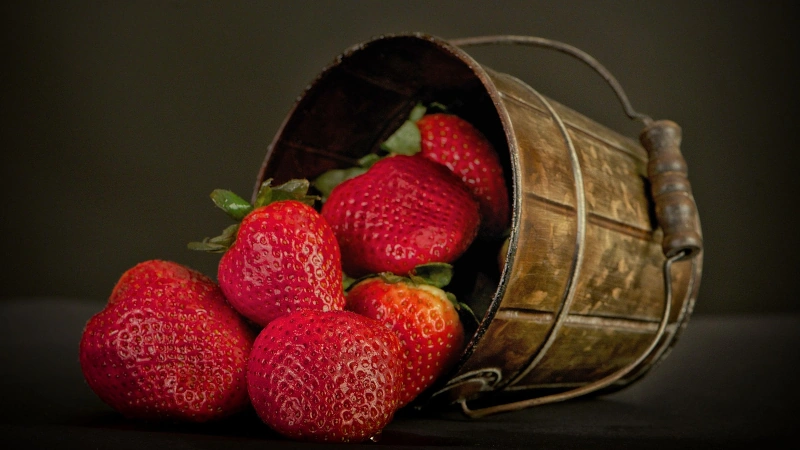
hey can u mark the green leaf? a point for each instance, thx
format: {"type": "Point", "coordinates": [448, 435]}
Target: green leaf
{"type": "Point", "coordinates": [205, 246]}
{"type": "Point", "coordinates": [439, 107]}
{"type": "Point", "coordinates": [406, 140]}
{"type": "Point", "coordinates": [452, 297]}
{"type": "Point", "coordinates": [217, 244]}
{"type": "Point", "coordinates": [417, 112]}
{"type": "Point", "coordinates": [463, 308]}
{"type": "Point", "coordinates": [435, 274]}
{"type": "Point", "coordinates": [391, 278]}
{"type": "Point", "coordinates": [332, 178]}
{"type": "Point", "coordinates": [295, 189]}
{"type": "Point", "coordinates": [264, 196]}
{"type": "Point", "coordinates": [368, 160]}
{"type": "Point", "coordinates": [326, 182]}
{"type": "Point", "coordinates": [232, 204]}
{"type": "Point", "coordinates": [347, 281]}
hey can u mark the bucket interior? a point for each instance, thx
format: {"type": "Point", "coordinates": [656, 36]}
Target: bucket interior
{"type": "Point", "coordinates": [365, 94]}
{"type": "Point", "coordinates": [361, 99]}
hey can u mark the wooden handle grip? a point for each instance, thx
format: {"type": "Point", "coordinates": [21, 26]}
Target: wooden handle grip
{"type": "Point", "coordinates": [675, 207]}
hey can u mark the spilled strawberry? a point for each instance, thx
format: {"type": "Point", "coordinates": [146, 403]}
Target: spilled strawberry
{"type": "Point", "coordinates": [167, 346]}
{"type": "Point", "coordinates": [455, 143]}
{"type": "Point", "coordinates": [402, 212]}
{"type": "Point", "coordinates": [282, 256]}
{"type": "Point", "coordinates": [423, 316]}
{"type": "Point", "coordinates": [325, 376]}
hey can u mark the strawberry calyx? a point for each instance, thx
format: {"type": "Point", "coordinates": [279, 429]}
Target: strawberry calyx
{"type": "Point", "coordinates": [347, 281]}
{"type": "Point", "coordinates": [406, 140]}
{"type": "Point", "coordinates": [332, 178]}
{"type": "Point", "coordinates": [296, 189]}
{"type": "Point", "coordinates": [233, 205]}
{"type": "Point", "coordinates": [238, 208]}
{"type": "Point", "coordinates": [439, 275]}
{"type": "Point", "coordinates": [435, 274]}
{"type": "Point", "coordinates": [217, 244]}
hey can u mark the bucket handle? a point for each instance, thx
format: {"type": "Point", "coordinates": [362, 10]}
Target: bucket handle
{"type": "Point", "coordinates": [675, 207]}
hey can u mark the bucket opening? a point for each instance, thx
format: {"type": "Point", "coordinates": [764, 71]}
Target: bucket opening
{"type": "Point", "coordinates": [360, 99]}
{"type": "Point", "coordinates": [579, 299]}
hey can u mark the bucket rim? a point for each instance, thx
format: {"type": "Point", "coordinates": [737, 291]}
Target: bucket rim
{"type": "Point", "coordinates": [512, 153]}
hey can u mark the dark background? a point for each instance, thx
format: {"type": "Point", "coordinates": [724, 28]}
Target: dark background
{"type": "Point", "coordinates": [118, 119]}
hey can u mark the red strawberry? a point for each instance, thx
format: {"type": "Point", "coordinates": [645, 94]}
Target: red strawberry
{"type": "Point", "coordinates": [402, 212]}
{"type": "Point", "coordinates": [325, 376]}
{"type": "Point", "coordinates": [281, 257]}
{"type": "Point", "coordinates": [454, 142]}
{"type": "Point", "coordinates": [424, 317]}
{"type": "Point", "coordinates": [462, 148]}
{"type": "Point", "coordinates": [167, 346]}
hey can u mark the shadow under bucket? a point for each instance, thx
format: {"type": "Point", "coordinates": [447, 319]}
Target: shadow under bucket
{"type": "Point", "coordinates": [604, 258]}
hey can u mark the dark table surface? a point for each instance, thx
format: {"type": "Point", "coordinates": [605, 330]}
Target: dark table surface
{"type": "Point", "coordinates": [730, 382]}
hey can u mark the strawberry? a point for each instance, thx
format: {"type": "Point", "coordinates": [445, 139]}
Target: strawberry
{"type": "Point", "coordinates": [325, 376]}
{"type": "Point", "coordinates": [167, 346]}
{"type": "Point", "coordinates": [423, 316]}
{"type": "Point", "coordinates": [455, 143]}
{"type": "Point", "coordinates": [402, 212]}
{"type": "Point", "coordinates": [281, 257]}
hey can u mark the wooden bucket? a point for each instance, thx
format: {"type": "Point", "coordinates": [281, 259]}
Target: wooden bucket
{"type": "Point", "coordinates": [603, 262]}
